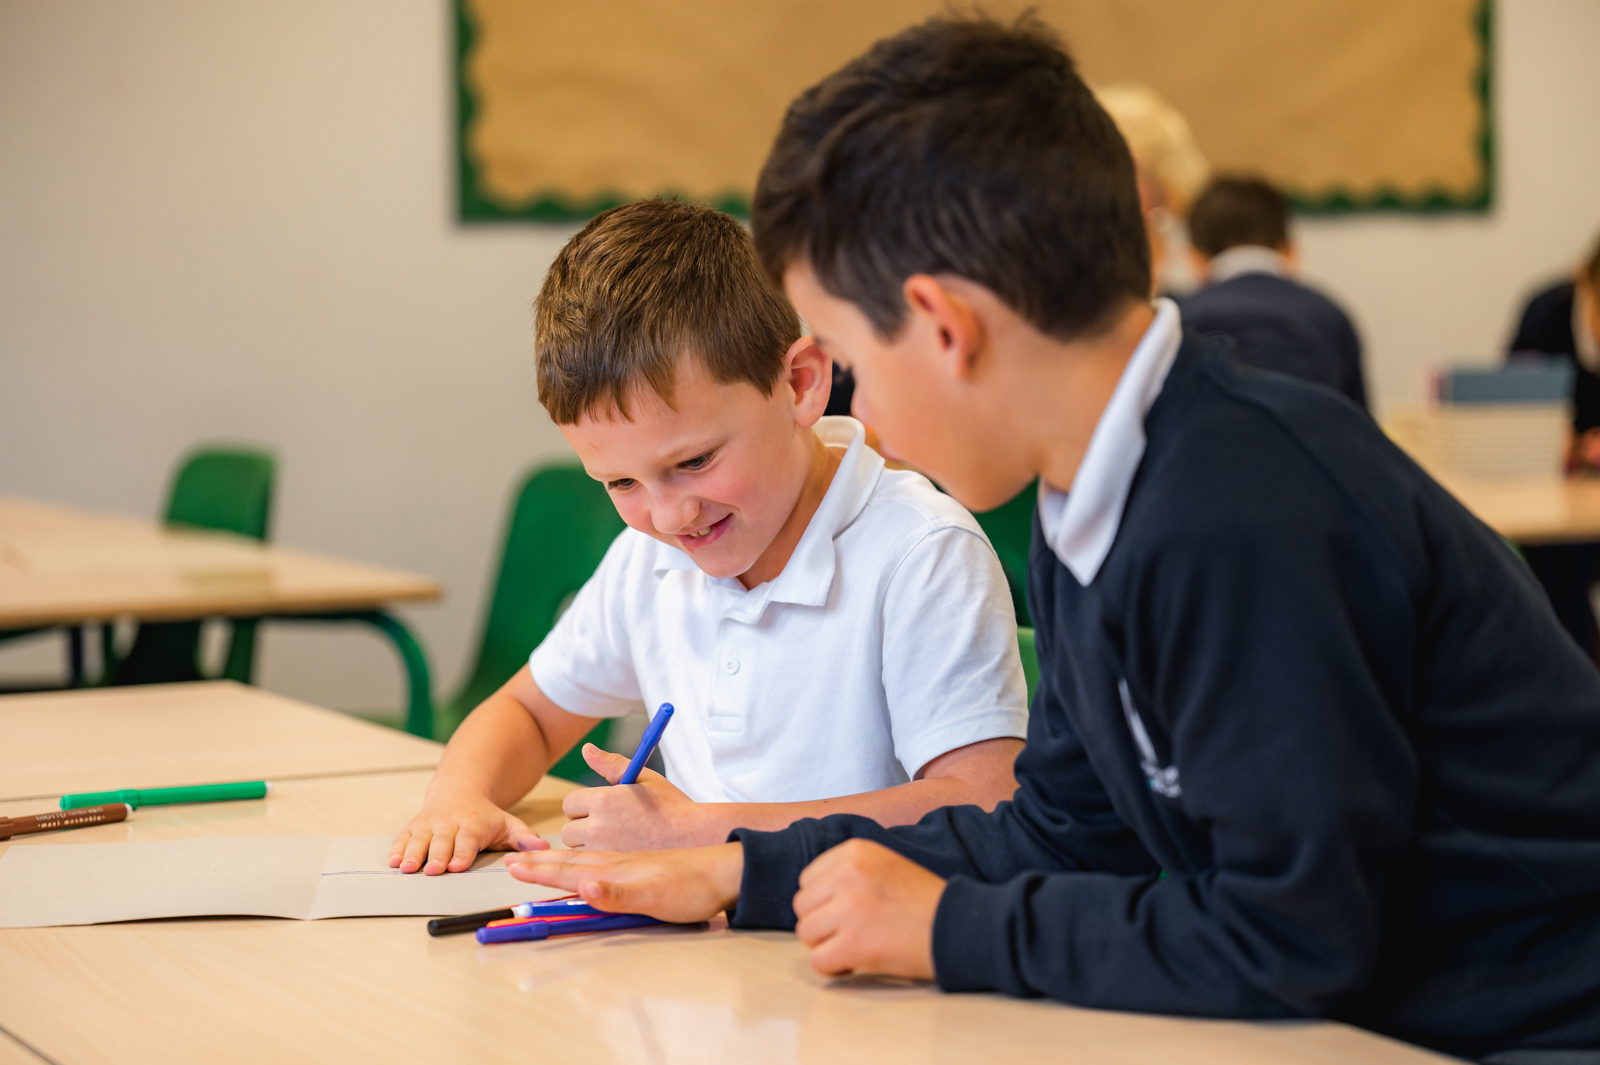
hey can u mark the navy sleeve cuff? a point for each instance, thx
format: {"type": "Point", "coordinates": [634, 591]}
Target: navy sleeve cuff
{"type": "Point", "coordinates": [772, 865]}
{"type": "Point", "coordinates": [970, 951]}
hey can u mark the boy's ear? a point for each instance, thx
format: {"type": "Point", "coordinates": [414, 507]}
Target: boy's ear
{"type": "Point", "coordinates": [810, 374]}
{"type": "Point", "coordinates": [958, 329]}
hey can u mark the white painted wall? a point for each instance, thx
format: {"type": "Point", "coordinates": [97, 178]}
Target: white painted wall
{"type": "Point", "coordinates": [222, 220]}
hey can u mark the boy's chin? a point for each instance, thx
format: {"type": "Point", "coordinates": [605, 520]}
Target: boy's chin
{"type": "Point", "coordinates": [723, 567]}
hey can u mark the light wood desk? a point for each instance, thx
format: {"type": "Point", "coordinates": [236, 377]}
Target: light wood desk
{"type": "Point", "coordinates": [168, 735]}
{"type": "Point", "coordinates": [64, 566]}
{"type": "Point", "coordinates": [60, 565]}
{"type": "Point", "coordinates": [1542, 510]}
{"type": "Point", "coordinates": [253, 989]}
{"type": "Point", "coordinates": [264, 990]}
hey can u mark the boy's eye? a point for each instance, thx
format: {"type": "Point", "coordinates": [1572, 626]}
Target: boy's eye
{"type": "Point", "coordinates": [621, 484]}
{"type": "Point", "coordinates": [696, 463]}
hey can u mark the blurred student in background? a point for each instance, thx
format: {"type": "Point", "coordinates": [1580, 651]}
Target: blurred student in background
{"type": "Point", "coordinates": [1170, 168]}
{"type": "Point", "coordinates": [1563, 321]}
{"type": "Point", "coordinates": [1239, 229]}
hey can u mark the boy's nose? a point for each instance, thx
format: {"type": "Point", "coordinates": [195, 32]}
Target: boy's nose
{"type": "Point", "coordinates": [672, 517]}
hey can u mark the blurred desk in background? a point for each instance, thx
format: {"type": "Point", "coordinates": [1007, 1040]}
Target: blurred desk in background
{"type": "Point", "coordinates": [1532, 511]}
{"type": "Point", "coordinates": [63, 566]}
{"type": "Point", "coordinates": [244, 989]}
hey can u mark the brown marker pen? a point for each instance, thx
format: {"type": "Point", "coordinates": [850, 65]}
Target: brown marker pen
{"type": "Point", "coordinates": [54, 819]}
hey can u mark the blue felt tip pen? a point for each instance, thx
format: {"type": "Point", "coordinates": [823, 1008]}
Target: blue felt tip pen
{"type": "Point", "coordinates": [516, 933]}
{"type": "Point", "coordinates": [647, 744]}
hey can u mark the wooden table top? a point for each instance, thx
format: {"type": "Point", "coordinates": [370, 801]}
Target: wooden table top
{"type": "Point", "coordinates": [60, 565]}
{"type": "Point", "coordinates": [1536, 510]}
{"type": "Point", "coordinates": [167, 735]}
{"type": "Point", "coordinates": [259, 989]}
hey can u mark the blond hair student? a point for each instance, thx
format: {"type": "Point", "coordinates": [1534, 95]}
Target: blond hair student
{"type": "Point", "coordinates": [834, 635]}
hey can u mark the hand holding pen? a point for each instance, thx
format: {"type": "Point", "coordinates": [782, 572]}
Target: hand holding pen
{"type": "Point", "coordinates": [649, 813]}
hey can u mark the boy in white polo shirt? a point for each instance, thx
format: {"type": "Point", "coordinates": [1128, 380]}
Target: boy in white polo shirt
{"type": "Point", "coordinates": [834, 636]}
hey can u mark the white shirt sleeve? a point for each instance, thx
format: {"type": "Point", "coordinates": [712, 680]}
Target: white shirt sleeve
{"type": "Point", "coordinates": [585, 666]}
{"type": "Point", "coordinates": [951, 669]}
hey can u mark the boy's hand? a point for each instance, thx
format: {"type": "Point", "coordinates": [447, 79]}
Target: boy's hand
{"type": "Point", "coordinates": [648, 815]}
{"type": "Point", "coordinates": [862, 908]}
{"type": "Point", "coordinates": [450, 830]}
{"type": "Point", "coordinates": [686, 885]}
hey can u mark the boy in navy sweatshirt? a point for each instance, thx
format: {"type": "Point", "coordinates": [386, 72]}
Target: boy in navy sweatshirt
{"type": "Point", "coordinates": [1306, 743]}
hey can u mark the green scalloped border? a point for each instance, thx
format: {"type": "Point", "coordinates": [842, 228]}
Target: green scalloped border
{"type": "Point", "coordinates": [474, 207]}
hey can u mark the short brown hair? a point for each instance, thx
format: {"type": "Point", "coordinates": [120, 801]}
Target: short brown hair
{"type": "Point", "coordinates": [644, 285]}
{"type": "Point", "coordinates": [961, 146]}
{"type": "Point", "coordinates": [1237, 211]}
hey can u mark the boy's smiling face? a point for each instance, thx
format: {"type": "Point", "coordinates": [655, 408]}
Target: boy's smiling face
{"type": "Point", "coordinates": [718, 473]}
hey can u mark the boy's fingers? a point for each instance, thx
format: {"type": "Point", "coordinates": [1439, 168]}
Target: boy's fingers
{"type": "Point", "coordinates": [609, 896]}
{"type": "Point", "coordinates": [416, 852]}
{"type": "Point", "coordinates": [397, 849]}
{"type": "Point", "coordinates": [611, 766]}
{"type": "Point", "coordinates": [575, 833]}
{"type": "Point", "coordinates": [466, 849]}
{"type": "Point", "coordinates": [832, 957]}
{"type": "Point", "coordinates": [577, 803]}
{"type": "Point", "coordinates": [439, 851]}
{"type": "Point", "coordinates": [519, 837]}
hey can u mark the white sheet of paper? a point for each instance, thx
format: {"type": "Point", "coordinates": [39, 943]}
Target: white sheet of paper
{"type": "Point", "coordinates": [302, 877]}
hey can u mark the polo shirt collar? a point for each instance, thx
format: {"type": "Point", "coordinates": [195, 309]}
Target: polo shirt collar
{"type": "Point", "coordinates": [808, 575]}
{"type": "Point", "coordinates": [1080, 525]}
{"type": "Point", "coordinates": [1246, 259]}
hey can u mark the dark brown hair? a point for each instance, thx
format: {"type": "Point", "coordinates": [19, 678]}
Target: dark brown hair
{"type": "Point", "coordinates": [960, 146]}
{"type": "Point", "coordinates": [643, 286]}
{"type": "Point", "coordinates": [1235, 211]}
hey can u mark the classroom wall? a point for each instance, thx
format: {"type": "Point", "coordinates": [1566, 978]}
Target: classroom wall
{"type": "Point", "coordinates": [233, 221]}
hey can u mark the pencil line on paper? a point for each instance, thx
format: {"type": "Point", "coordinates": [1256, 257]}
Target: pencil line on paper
{"type": "Point", "coordinates": [396, 872]}
{"type": "Point", "coordinates": [25, 1045]}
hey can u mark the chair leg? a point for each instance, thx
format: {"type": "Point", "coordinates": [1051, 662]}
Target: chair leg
{"type": "Point", "coordinates": [75, 667]}
{"type": "Point", "coordinates": [419, 711]}
{"type": "Point", "coordinates": [240, 665]}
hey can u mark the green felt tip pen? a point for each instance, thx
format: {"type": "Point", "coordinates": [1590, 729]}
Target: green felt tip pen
{"type": "Point", "coordinates": [137, 797]}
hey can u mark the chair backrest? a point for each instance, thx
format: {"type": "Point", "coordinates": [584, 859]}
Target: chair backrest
{"type": "Point", "coordinates": [561, 526]}
{"type": "Point", "coordinates": [224, 488]}
{"type": "Point", "coordinates": [1010, 529]}
{"type": "Point", "coordinates": [1030, 660]}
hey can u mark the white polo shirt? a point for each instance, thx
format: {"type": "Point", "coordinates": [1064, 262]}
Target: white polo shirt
{"type": "Point", "coordinates": [887, 640]}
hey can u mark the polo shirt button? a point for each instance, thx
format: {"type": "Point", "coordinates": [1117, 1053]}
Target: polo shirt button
{"type": "Point", "coordinates": [731, 666]}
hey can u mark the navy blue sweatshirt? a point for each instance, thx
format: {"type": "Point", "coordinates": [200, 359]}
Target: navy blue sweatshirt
{"type": "Point", "coordinates": [1280, 324]}
{"type": "Point", "coordinates": [1372, 788]}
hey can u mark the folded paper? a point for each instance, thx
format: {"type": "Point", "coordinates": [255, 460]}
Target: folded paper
{"type": "Point", "coordinates": [301, 877]}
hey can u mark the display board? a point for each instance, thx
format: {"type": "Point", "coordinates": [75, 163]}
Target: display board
{"type": "Point", "coordinates": [566, 109]}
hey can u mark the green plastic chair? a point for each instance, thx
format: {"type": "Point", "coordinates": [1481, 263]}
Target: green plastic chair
{"type": "Point", "coordinates": [561, 526]}
{"type": "Point", "coordinates": [1010, 528]}
{"type": "Point", "coordinates": [228, 489]}
{"type": "Point", "coordinates": [1030, 660]}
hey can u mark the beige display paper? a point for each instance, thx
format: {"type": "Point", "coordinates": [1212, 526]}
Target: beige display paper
{"type": "Point", "coordinates": [302, 877]}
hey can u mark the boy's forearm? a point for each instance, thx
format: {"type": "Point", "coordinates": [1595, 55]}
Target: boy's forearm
{"type": "Point", "coordinates": [498, 752]}
{"type": "Point", "coordinates": [904, 804]}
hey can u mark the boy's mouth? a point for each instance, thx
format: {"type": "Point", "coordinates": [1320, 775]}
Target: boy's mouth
{"type": "Point", "coordinates": [710, 534]}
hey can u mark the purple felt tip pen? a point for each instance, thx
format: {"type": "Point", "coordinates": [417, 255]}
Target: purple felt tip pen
{"type": "Point", "coordinates": [611, 922]}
